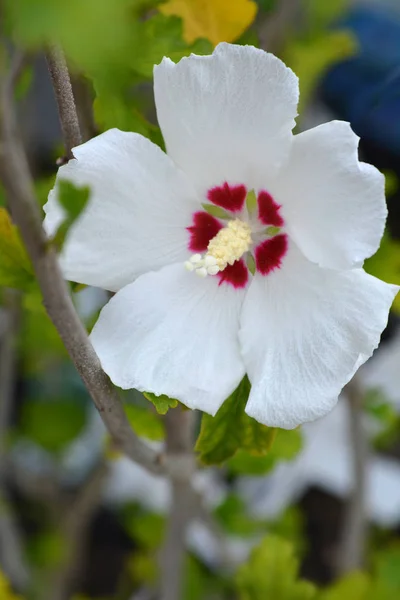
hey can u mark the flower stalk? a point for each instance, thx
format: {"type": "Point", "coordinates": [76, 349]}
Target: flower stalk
{"type": "Point", "coordinates": [180, 467]}
{"type": "Point", "coordinates": [352, 548]}
{"type": "Point", "coordinates": [65, 99]}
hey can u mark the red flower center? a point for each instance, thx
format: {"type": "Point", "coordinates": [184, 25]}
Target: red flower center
{"type": "Point", "coordinates": [269, 250]}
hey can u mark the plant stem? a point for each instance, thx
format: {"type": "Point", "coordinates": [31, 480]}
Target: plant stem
{"type": "Point", "coordinates": [352, 549]}
{"type": "Point", "coordinates": [180, 465]}
{"type": "Point", "coordinates": [65, 99]}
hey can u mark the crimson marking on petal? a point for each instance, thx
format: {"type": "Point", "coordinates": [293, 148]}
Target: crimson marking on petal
{"type": "Point", "coordinates": [269, 254]}
{"type": "Point", "coordinates": [268, 210]}
{"type": "Point", "coordinates": [236, 274]}
{"type": "Point", "coordinates": [230, 197]}
{"type": "Point", "coordinates": [204, 228]}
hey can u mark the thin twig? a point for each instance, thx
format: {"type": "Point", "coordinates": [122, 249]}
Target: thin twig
{"type": "Point", "coordinates": [352, 549]}
{"type": "Point", "coordinates": [11, 545]}
{"type": "Point", "coordinates": [180, 464]}
{"type": "Point", "coordinates": [18, 184]}
{"type": "Point", "coordinates": [65, 99]}
{"type": "Point", "coordinates": [75, 529]}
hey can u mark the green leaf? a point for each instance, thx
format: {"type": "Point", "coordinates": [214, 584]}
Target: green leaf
{"type": "Point", "coordinates": [310, 58]}
{"type": "Point", "coordinates": [158, 37]}
{"type": "Point", "coordinates": [24, 82]}
{"type": "Point", "coordinates": [6, 593]}
{"type": "Point", "coordinates": [40, 345]}
{"type": "Point", "coordinates": [144, 422]}
{"type": "Point", "coordinates": [73, 199]}
{"type": "Point", "coordinates": [15, 268]}
{"type": "Point", "coordinates": [391, 182]}
{"type": "Point", "coordinates": [272, 572]}
{"type": "Point", "coordinates": [162, 403]}
{"type": "Point", "coordinates": [286, 446]}
{"type": "Point", "coordinates": [146, 528]}
{"type": "Point", "coordinates": [321, 14]}
{"type": "Point", "coordinates": [385, 264]}
{"type": "Point", "coordinates": [46, 549]}
{"type": "Point", "coordinates": [387, 568]}
{"type": "Point", "coordinates": [114, 108]}
{"type": "Point", "coordinates": [215, 211]}
{"type": "Point", "coordinates": [231, 429]}
{"type": "Point", "coordinates": [354, 586]}
{"type": "Point", "coordinates": [52, 423]}
{"type": "Point", "coordinates": [234, 519]}
{"type": "Point", "coordinates": [378, 406]}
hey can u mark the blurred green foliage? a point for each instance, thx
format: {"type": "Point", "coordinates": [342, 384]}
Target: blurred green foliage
{"type": "Point", "coordinates": [272, 572]}
{"type": "Point", "coordinates": [385, 264]}
{"type": "Point", "coordinates": [144, 422]}
{"type": "Point", "coordinates": [53, 423]}
{"type": "Point", "coordinates": [15, 267]}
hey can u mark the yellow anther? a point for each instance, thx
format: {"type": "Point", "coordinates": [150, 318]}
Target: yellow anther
{"type": "Point", "coordinates": [230, 243]}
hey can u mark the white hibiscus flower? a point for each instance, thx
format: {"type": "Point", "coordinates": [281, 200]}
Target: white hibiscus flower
{"type": "Point", "coordinates": [306, 319]}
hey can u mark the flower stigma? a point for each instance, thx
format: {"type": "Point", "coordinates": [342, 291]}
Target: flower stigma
{"type": "Point", "coordinates": [225, 248]}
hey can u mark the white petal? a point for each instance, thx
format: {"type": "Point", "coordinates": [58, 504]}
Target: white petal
{"type": "Point", "coordinates": [136, 216]}
{"type": "Point", "coordinates": [304, 332]}
{"type": "Point", "coordinates": [227, 116]}
{"type": "Point", "coordinates": [173, 333]}
{"type": "Point", "coordinates": [334, 205]}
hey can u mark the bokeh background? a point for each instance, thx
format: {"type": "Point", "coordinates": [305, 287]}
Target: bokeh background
{"type": "Point", "coordinates": [77, 520]}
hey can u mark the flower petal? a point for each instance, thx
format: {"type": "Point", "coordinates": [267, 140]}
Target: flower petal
{"type": "Point", "coordinates": [137, 214]}
{"type": "Point", "coordinates": [227, 117]}
{"type": "Point", "coordinates": [236, 275]}
{"type": "Point", "coordinates": [173, 333]}
{"type": "Point", "coordinates": [304, 332]}
{"type": "Point", "coordinates": [229, 197]}
{"type": "Point", "coordinates": [334, 206]}
{"type": "Point", "coordinates": [202, 230]}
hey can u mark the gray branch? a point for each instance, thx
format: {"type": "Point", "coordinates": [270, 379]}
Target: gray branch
{"type": "Point", "coordinates": [11, 545]}
{"type": "Point", "coordinates": [352, 549]}
{"type": "Point", "coordinates": [180, 466]}
{"type": "Point", "coordinates": [18, 184]}
{"type": "Point", "coordinates": [65, 99]}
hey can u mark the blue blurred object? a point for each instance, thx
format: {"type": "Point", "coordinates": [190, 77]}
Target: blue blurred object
{"type": "Point", "coordinates": [365, 90]}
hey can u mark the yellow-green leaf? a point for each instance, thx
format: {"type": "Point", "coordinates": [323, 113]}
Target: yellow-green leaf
{"type": "Point", "coordinates": [385, 264]}
{"type": "Point", "coordinates": [215, 20]}
{"type": "Point", "coordinates": [162, 403]}
{"type": "Point", "coordinates": [15, 268]}
{"type": "Point", "coordinates": [272, 572]}
{"type": "Point", "coordinates": [5, 590]}
{"type": "Point", "coordinates": [73, 199]}
{"type": "Point", "coordinates": [286, 446]}
{"type": "Point", "coordinates": [231, 429]}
